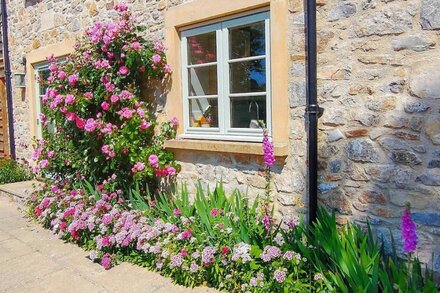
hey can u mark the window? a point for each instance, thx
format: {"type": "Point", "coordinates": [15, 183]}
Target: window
{"type": "Point", "coordinates": [226, 79]}
{"type": "Point", "coordinates": [41, 73]}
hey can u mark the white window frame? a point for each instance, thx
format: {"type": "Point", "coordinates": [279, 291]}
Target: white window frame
{"type": "Point", "coordinates": [224, 131]}
{"type": "Point", "coordinates": [37, 69]}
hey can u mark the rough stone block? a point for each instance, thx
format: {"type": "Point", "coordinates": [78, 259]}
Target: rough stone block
{"type": "Point", "coordinates": [424, 79]}
{"type": "Point", "coordinates": [430, 14]}
{"type": "Point", "coordinates": [430, 178]}
{"type": "Point", "coordinates": [416, 107]}
{"type": "Point", "coordinates": [416, 43]}
{"type": "Point", "coordinates": [433, 131]}
{"type": "Point", "coordinates": [342, 10]}
{"type": "Point", "coordinates": [362, 150]}
{"type": "Point", "coordinates": [390, 21]}
{"type": "Point", "coordinates": [47, 20]}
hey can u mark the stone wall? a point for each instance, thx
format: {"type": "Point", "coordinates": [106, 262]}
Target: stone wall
{"type": "Point", "coordinates": [379, 82]}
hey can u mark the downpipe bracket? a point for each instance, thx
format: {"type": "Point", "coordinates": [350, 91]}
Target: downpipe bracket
{"type": "Point", "coordinates": [315, 110]}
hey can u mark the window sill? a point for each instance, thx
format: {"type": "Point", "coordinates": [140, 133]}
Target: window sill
{"type": "Point", "coordinates": [250, 148]}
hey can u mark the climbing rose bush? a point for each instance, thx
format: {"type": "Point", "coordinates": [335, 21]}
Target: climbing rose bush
{"type": "Point", "coordinates": [96, 123]}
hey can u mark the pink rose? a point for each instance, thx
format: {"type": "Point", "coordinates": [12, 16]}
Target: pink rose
{"type": "Point", "coordinates": [53, 67]}
{"type": "Point", "coordinates": [156, 58]}
{"type": "Point", "coordinates": [110, 87]}
{"type": "Point", "coordinates": [80, 123]}
{"type": "Point", "coordinates": [88, 95]}
{"type": "Point", "coordinates": [144, 125]}
{"type": "Point", "coordinates": [73, 79]}
{"type": "Point", "coordinates": [136, 46]}
{"type": "Point", "coordinates": [105, 106]}
{"type": "Point", "coordinates": [154, 161]}
{"type": "Point", "coordinates": [44, 164]}
{"type": "Point", "coordinates": [62, 75]}
{"type": "Point", "coordinates": [127, 113]}
{"type": "Point", "coordinates": [50, 154]}
{"type": "Point", "coordinates": [123, 70]}
{"type": "Point", "coordinates": [70, 99]}
{"type": "Point", "coordinates": [42, 117]}
{"type": "Point", "coordinates": [114, 98]}
{"type": "Point", "coordinates": [90, 125]}
{"type": "Point", "coordinates": [167, 68]}
{"type": "Point", "coordinates": [141, 112]}
{"type": "Point", "coordinates": [174, 121]}
{"type": "Point", "coordinates": [170, 171]}
{"type": "Point", "coordinates": [71, 116]}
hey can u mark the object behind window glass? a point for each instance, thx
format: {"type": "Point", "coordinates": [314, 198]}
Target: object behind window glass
{"type": "Point", "coordinates": [247, 111]}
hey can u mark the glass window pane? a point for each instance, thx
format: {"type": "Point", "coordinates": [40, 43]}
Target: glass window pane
{"type": "Point", "coordinates": [246, 111]}
{"type": "Point", "coordinates": [43, 75]}
{"type": "Point", "coordinates": [246, 41]}
{"type": "Point", "coordinates": [202, 48]}
{"type": "Point", "coordinates": [203, 112]}
{"type": "Point", "coordinates": [202, 80]}
{"type": "Point", "coordinates": [248, 76]}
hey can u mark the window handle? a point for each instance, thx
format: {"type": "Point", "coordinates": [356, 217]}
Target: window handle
{"type": "Point", "coordinates": [258, 108]}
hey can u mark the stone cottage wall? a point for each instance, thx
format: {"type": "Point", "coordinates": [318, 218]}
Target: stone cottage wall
{"type": "Point", "coordinates": [379, 82]}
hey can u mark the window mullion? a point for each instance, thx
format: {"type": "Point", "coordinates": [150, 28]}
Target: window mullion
{"type": "Point", "coordinates": [225, 86]}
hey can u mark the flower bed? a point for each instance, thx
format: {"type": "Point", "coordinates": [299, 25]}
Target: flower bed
{"type": "Point", "coordinates": [218, 241]}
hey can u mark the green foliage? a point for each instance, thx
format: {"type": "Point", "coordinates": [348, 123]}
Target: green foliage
{"type": "Point", "coordinates": [11, 171]}
{"type": "Point", "coordinates": [210, 209]}
{"type": "Point", "coordinates": [353, 260]}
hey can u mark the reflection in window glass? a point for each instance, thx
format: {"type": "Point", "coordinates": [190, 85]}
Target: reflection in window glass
{"type": "Point", "coordinates": [247, 41]}
{"type": "Point", "coordinates": [247, 111]}
{"type": "Point", "coordinates": [43, 75]}
{"type": "Point", "coordinates": [248, 76]}
{"type": "Point", "coordinates": [202, 80]}
{"type": "Point", "coordinates": [202, 48]}
{"type": "Point", "coordinates": [203, 112]}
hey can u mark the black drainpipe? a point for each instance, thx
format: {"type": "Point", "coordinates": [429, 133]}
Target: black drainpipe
{"type": "Point", "coordinates": [8, 75]}
{"type": "Point", "coordinates": [312, 110]}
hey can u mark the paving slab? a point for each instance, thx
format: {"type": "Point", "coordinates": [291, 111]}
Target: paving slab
{"type": "Point", "coordinates": [32, 259]}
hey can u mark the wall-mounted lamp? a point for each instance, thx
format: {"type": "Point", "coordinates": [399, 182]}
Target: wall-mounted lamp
{"type": "Point", "coordinates": [20, 80]}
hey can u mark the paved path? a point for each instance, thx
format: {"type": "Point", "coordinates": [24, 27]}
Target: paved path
{"type": "Point", "coordinates": [33, 260]}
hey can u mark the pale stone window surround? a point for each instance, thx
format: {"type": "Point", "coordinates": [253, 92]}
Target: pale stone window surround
{"type": "Point", "coordinates": [34, 59]}
{"type": "Point", "coordinates": [185, 15]}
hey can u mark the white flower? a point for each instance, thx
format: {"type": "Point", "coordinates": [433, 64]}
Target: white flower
{"type": "Point", "coordinates": [279, 239]}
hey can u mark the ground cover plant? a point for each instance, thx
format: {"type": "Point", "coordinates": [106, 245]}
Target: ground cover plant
{"type": "Point", "coordinates": [12, 171]}
{"type": "Point", "coordinates": [105, 159]}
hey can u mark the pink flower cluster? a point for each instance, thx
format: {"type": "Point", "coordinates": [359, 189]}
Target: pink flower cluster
{"type": "Point", "coordinates": [269, 157]}
{"type": "Point", "coordinates": [409, 232]}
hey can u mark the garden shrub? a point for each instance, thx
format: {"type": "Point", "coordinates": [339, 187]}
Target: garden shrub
{"type": "Point", "coordinates": [11, 171]}
{"type": "Point", "coordinates": [96, 123]}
